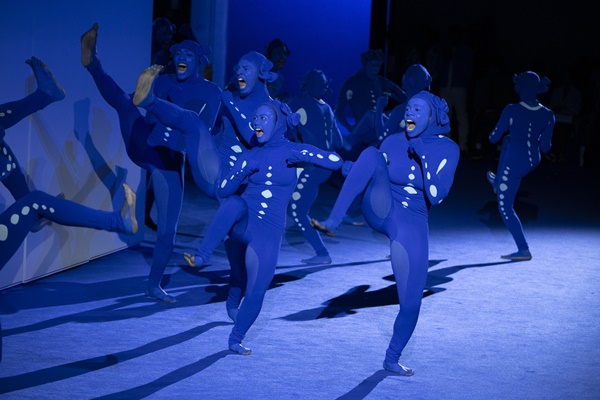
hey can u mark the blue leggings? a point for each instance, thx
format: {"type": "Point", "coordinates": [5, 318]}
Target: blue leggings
{"type": "Point", "coordinates": [18, 219]}
{"type": "Point", "coordinates": [252, 258]}
{"type": "Point", "coordinates": [307, 190]}
{"type": "Point", "coordinates": [507, 186]}
{"type": "Point", "coordinates": [255, 260]}
{"type": "Point", "coordinates": [166, 167]}
{"type": "Point", "coordinates": [406, 227]}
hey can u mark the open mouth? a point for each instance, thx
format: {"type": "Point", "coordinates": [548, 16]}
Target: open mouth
{"type": "Point", "coordinates": [181, 68]}
{"type": "Point", "coordinates": [410, 125]}
{"type": "Point", "coordinates": [259, 132]}
{"type": "Point", "coordinates": [242, 83]}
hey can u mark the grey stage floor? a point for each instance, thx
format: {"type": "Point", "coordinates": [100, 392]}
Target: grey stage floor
{"type": "Point", "coordinates": [488, 329]}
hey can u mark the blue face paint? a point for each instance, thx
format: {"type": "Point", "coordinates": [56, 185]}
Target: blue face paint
{"type": "Point", "coordinates": [186, 63]}
{"type": "Point", "coordinates": [417, 116]}
{"type": "Point", "coordinates": [246, 73]}
{"type": "Point", "coordinates": [264, 123]}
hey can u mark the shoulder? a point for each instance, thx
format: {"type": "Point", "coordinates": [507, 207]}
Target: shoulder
{"type": "Point", "coordinates": [447, 145]}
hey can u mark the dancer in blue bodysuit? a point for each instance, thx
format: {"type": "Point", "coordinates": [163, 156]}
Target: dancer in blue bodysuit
{"type": "Point", "coordinates": [154, 146]}
{"type": "Point", "coordinates": [529, 125]}
{"type": "Point", "coordinates": [256, 218]}
{"type": "Point", "coordinates": [317, 127]}
{"type": "Point", "coordinates": [212, 154]}
{"type": "Point", "coordinates": [216, 154]}
{"type": "Point", "coordinates": [31, 207]}
{"type": "Point", "coordinates": [411, 172]}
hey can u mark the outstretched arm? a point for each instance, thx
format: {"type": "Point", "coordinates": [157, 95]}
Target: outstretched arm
{"type": "Point", "coordinates": [313, 155]}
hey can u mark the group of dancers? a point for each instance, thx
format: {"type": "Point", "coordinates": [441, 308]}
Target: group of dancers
{"type": "Point", "coordinates": [261, 158]}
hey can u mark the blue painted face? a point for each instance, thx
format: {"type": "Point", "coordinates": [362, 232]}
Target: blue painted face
{"type": "Point", "coordinates": [246, 73]}
{"type": "Point", "coordinates": [417, 116]}
{"type": "Point", "coordinates": [264, 123]}
{"type": "Point", "coordinates": [187, 63]}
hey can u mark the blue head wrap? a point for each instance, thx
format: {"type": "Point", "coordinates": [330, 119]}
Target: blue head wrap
{"type": "Point", "coordinates": [528, 85]}
{"type": "Point", "coordinates": [264, 65]}
{"type": "Point", "coordinates": [440, 122]}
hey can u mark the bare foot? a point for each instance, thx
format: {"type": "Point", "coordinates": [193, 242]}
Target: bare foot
{"type": "Point", "coordinates": [128, 209]}
{"type": "Point", "coordinates": [322, 227]}
{"type": "Point", "coordinates": [191, 260]}
{"type": "Point", "coordinates": [143, 89]}
{"type": "Point", "coordinates": [46, 81]}
{"type": "Point", "coordinates": [88, 45]}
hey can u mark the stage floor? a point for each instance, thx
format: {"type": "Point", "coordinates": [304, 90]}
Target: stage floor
{"type": "Point", "coordinates": [488, 329]}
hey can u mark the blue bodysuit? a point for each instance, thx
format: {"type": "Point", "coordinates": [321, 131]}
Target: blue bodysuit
{"type": "Point", "coordinates": [529, 125]}
{"type": "Point", "coordinates": [403, 180]}
{"type": "Point", "coordinates": [317, 127]}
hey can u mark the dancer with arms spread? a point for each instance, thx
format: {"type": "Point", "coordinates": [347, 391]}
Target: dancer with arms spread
{"type": "Point", "coordinates": [256, 217]}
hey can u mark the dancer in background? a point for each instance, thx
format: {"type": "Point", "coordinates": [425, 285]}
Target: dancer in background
{"type": "Point", "coordinates": [359, 93]}
{"type": "Point", "coordinates": [277, 52]}
{"type": "Point", "coordinates": [525, 129]}
{"type": "Point", "coordinates": [411, 172]}
{"type": "Point", "coordinates": [156, 147]}
{"type": "Point", "coordinates": [317, 127]}
{"type": "Point", "coordinates": [415, 79]}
